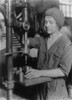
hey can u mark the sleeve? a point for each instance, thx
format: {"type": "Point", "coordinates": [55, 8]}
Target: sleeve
{"type": "Point", "coordinates": [34, 42]}
{"type": "Point", "coordinates": [66, 61]}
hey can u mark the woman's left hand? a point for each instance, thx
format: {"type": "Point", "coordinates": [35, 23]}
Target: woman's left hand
{"type": "Point", "coordinates": [32, 73]}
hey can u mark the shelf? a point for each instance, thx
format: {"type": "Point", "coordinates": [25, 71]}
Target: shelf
{"type": "Point", "coordinates": [35, 81]}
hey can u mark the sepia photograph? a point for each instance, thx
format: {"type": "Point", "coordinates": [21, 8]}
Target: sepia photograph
{"type": "Point", "coordinates": [35, 49]}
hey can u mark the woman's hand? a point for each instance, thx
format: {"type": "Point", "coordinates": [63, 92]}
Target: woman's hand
{"type": "Point", "coordinates": [32, 73]}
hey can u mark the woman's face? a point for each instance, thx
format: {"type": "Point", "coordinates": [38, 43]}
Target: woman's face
{"type": "Point", "coordinates": [50, 25]}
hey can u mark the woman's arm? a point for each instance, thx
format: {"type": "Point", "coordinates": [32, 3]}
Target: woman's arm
{"type": "Point", "coordinates": [53, 73]}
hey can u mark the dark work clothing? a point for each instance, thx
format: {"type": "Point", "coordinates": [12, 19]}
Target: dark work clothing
{"type": "Point", "coordinates": [58, 56]}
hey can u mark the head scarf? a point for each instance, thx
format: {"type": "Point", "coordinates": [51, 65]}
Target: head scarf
{"type": "Point", "coordinates": [57, 14]}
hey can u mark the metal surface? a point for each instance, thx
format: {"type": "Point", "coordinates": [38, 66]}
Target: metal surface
{"type": "Point", "coordinates": [34, 81]}
{"type": "Point", "coordinates": [9, 59]}
{"type": "Point", "coordinates": [5, 9]}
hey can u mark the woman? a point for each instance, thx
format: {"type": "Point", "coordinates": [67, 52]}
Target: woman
{"type": "Point", "coordinates": [54, 57]}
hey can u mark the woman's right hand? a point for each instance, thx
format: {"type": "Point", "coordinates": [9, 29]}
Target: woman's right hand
{"type": "Point", "coordinates": [32, 73]}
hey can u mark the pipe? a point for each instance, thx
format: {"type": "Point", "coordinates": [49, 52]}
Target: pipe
{"type": "Point", "coordinates": [9, 59]}
{"type": "Point", "coordinates": [25, 20]}
{"type": "Point", "coordinates": [9, 63]}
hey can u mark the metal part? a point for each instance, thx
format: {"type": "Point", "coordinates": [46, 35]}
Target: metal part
{"type": "Point", "coordinates": [9, 59]}
{"type": "Point", "coordinates": [26, 27]}
{"type": "Point", "coordinates": [7, 16]}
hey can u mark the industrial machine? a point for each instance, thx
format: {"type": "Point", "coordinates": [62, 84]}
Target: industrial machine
{"type": "Point", "coordinates": [23, 18]}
